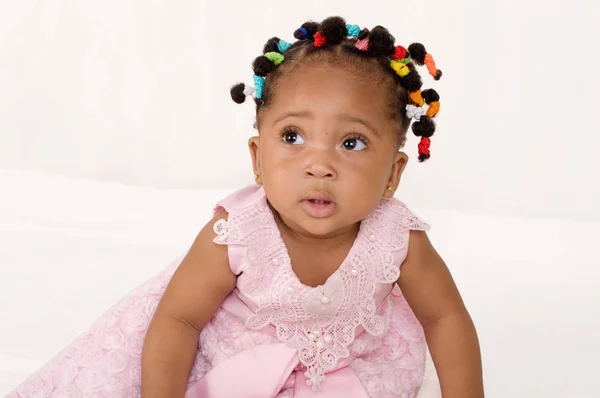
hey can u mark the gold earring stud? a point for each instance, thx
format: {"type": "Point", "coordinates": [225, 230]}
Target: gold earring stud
{"type": "Point", "coordinates": [256, 177]}
{"type": "Point", "coordinates": [389, 188]}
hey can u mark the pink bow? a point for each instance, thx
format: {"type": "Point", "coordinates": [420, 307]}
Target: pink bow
{"type": "Point", "coordinates": [262, 372]}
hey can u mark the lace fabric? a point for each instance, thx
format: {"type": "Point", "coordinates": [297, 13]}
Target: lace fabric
{"type": "Point", "coordinates": [320, 322]}
{"type": "Point", "coordinates": [352, 319]}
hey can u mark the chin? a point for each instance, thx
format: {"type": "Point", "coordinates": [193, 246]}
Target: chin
{"type": "Point", "coordinates": [321, 227]}
{"type": "Point", "coordinates": [317, 229]}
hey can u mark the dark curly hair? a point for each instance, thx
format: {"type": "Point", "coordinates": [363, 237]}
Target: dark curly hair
{"type": "Point", "coordinates": [335, 42]}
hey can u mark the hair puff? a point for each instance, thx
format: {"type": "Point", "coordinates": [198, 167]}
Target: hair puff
{"type": "Point", "coordinates": [417, 53]}
{"type": "Point", "coordinates": [237, 93]}
{"type": "Point", "coordinates": [425, 127]}
{"type": "Point", "coordinates": [381, 42]}
{"type": "Point", "coordinates": [334, 29]}
{"type": "Point", "coordinates": [412, 81]}
{"type": "Point", "coordinates": [363, 34]}
{"type": "Point", "coordinates": [310, 28]}
{"type": "Point", "coordinates": [430, 95]}
{"type": "Point", "coordinates": [271, 45]}
{"type": "Point", "coordinates": [262, 66]}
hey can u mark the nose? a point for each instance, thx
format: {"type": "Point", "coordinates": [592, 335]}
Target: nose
{"type": "Point", "coordinates": [319, 171]}
{"type": "Point", "coordinates": [320, 167]}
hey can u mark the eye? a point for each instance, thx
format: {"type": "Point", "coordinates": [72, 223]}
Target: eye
{"type": "Point", "coordinates": [355, 144]}
{"type": "Point", "coordinates": [292, 137]}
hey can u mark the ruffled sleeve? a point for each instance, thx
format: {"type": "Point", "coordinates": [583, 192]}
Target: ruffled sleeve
{"type": "Point", "coordinates": [233, 231]}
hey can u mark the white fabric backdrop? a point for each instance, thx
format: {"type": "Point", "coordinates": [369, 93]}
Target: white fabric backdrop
{"type": "Point", "coordinates": [138, 92]}
{"type": "Point", "coordinates": [70, 248]}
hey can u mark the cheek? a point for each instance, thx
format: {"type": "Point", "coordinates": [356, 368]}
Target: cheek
{"type": "Point", "coordinates": [278, 163]}
{"type": "Point", "coordinates": [372, 169]}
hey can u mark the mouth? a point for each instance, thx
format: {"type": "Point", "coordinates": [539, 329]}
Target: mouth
{"type": "Point", "coordinates": [319, 205]}
{"type": "Point", "coordinates": [319, 197]}
{"type": "Point", "coordinates": [320, 202]}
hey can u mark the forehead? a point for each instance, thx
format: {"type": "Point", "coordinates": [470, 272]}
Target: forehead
{"type": "Point", "coordinates": [329, 88]}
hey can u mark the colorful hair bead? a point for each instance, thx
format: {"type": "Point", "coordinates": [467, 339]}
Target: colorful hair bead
{"type": "Point", "coordinates": [414, 112]}
{"type": "Point", "coordinates": [283, 46]}
{"type": "Point", "coordinates": [434, 109]}
{"type": "Point", "coordinates": [320, 40]}
{"type": "Point", "coordinates": [416, 97]}
{"type": "Point", "coordinates": [421, 105]}
{"type": "Point", "coordinates": [424, 146]}
{"type": "Point", "coordinates": [259, 84]}
{"type": "Point", "coordinates": [304, 33]}
{"type": "Point", "coordinates": [362, 45]}
{"type": "Point", "coordinates": [274, 57]}
{"type": "Point", "coordinates": [352, 30]}
{"type": "Point", "coordinates": [433, 100]}
{"type": "Point", "coordinates": [419, 54]}
{"type": "Point", "coordinates": [400, 53]}
{"type": "Point", "coordinates": [431, 68]}
{"type": "Point", "coordinates": [400, 68]}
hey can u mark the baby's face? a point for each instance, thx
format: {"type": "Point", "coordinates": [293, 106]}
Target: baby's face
{"type": "Point", "coordinates": [327, 149]}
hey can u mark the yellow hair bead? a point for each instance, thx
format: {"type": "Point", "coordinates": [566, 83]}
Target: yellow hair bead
{"type": "Point", "coordinates": [434, 108]}
{"type": "Point", "coordinates": [416, 98]}
{"type": "Point", "coordinates": [400, 68]}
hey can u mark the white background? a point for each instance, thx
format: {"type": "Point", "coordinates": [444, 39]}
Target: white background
{"type": "Point", "coordinates": [138, 92]}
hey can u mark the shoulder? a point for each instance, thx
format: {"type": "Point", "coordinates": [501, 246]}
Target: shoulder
{"type": "Point", "coordinates": [205, 241]}
{"type": "Point", "coordinates": [208, 258]}
{"type": "Point", "coordinates": [394, 219]}
{"type": "Point", "coordinates": [201, 282]}
{"type": "Point", "coordinates": [207, 234]}
{"type": "Point", "coordinates": [241, 199]}
{"type": "Point", "coordinates": [419, 246]}
{"type": "Point", "coordinates": [423, 263]}
{"type": "Point", "coordinates": [408, 217]}
{"type": "Point", "coordinates": [426, 281]}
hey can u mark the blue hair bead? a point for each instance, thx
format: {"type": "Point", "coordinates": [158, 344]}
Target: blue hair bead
{"type": "Point", "coordinates": [352, 30]}
{"type": "Point", "coordinates": [304, 33]}
{"type": "Point", "coordinates": [259, 84]}
{"type": "Point", "coordinates": [283, 45]}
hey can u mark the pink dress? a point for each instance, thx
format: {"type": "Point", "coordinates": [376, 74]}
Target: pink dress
{"type": "Point", "coordinates": [354, 336]}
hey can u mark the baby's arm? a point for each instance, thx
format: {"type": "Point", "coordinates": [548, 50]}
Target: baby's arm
{"type": "Point", "coordinates": [197, 289]}
{"type": "Point", "coordinates": [430, 291]}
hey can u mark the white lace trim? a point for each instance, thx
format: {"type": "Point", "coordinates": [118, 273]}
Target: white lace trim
{"type": "Point", "coordinates": [319, 322]}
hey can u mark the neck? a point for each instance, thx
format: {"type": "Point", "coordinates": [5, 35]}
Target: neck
{"type": "Point", "coordinates": [338, 237]}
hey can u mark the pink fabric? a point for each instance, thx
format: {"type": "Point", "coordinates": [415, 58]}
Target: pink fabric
{"type": "Point", "coordinates": [272, 364]}
{"type": "Point", "coordinates": [273, 336]}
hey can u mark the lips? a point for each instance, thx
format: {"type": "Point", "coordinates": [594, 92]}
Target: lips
{"type": "Point", "coordinates": [319, 196]}
{"type": "Point", "coordinates": [318, 204]}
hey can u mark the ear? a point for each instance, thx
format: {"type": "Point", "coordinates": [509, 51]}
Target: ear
{"type": "Point", "coordinates": [400, 161]}
{"type": "Point", "coordinates": [254, 146]}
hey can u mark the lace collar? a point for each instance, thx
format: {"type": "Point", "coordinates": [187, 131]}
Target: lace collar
{"type": "Point", "coordinates": [320, 322]}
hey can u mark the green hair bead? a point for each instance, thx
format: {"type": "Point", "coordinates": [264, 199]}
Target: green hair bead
{"type": "Point", "coordinates": [275, 57]}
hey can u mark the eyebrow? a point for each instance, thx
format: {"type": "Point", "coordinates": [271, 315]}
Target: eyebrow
{"type": "Point", "coordinates": [344, 117]}
{"type": "Point", "coordinates": [354, 119]}
{"type": "Point", "coordinates": [304, 114]}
